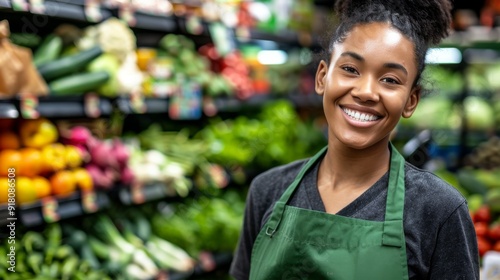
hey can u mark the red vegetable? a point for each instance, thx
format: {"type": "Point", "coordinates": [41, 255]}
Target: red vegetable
{"type": "Point", "coordinates": [483, 245]}
{"type": "Point", "coordinates": [101, 154]}
{"type": "Point", "coordinates": [126, 176]}
{"type": "Point", "coordinates": [120, 152]}
{"type": "Point", "coordinates": [101, 179]}
{"type": "Point", "coordinates": [79, 136]}
{"type": "Point", "coordinates": [494, 232]}
{"type": "Point", "coordinates": [496, 246]}
{"type": "Point", "coordinates": [481, 229]}
{"type": "Point", "coordinates": [483, 214]}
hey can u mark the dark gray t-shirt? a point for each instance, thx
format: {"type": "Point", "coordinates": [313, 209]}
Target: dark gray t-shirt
{"type": "Point", "coordinates": [440, 237]}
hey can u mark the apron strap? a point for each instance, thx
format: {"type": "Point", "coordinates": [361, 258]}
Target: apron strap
{"type": "Point", "coordinates": [393, 234]}
{"type": "Point", "coordinates": [279, 207]}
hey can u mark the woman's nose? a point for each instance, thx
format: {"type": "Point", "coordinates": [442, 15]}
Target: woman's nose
{"type": "Point", "coordinates": [366, 89]}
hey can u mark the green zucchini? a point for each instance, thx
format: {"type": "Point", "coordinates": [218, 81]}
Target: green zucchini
{"type": "Point", "coordinates": [27, 40]}
{"type": "Point", "coordinates": [69, 64]}
{"type": "Point", "coordinates": [49, 50]}
{"type": "Point", "coordinates": [78, 83]}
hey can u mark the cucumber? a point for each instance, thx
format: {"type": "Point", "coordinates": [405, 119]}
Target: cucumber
{"type": "Point", "coordinates": [48, 51]}
{"type": "Point", "coordinates": [27, 40]}
{"type": "Point", "coordinates": [470, 183]}
{"type": "Point", "coordinates": [69, 64]}
{"type": "Point", "coordinates": [78, 83]}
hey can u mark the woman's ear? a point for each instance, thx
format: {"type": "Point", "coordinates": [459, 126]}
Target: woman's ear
{"type": "Point", "coordinates": [320, 80]}
{"type": "Point", "coordinates": [412, 102]}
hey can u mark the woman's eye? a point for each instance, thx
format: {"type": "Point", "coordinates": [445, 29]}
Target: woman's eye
{"type": "Point", "coordinates": [390, 81]}
{"type": "Point", "coordinates": [350, 69]}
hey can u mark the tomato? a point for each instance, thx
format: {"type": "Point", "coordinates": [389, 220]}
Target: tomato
{"type": "Point", "coordinates": [483, 245]}
{"type": "Point", "coordinates": [483, 214]}
{"type": "Point", "coordinates": [481, 229]}
{"type": "Point", "coordinates": [496, 246]}
{"type": "Point", "coordinates": [494, 232]}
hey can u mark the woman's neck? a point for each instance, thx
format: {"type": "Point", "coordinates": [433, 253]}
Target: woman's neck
{"type": "Point", "coordinates": [348, 168]}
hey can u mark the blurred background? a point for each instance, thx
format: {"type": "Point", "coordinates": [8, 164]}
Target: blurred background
{"type": "Point", "coordinates": [131, 130]}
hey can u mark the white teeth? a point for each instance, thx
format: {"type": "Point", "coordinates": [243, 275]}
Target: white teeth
{"type": "Point", "coordinates": [360, 116]}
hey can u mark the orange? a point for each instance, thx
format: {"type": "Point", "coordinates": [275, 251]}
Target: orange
{"type": "Point", "coordinates": [9, 140]}
{"type": "Point", "coordinates": [83, 179]}
{"type": "Point", "coordinates": [32, 162]}
{"type": "Point", "coordinates": [42, 186]}
{"type": "Point", "coordinates": [63, 182]}
{"type": "Point", "coordinates": [10, 161]}
{"type": "Point", "coordinates": [25, 190]}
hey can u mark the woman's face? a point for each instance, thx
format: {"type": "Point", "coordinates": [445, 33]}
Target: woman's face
{"type": "Point", "coordinates": [368, 85]}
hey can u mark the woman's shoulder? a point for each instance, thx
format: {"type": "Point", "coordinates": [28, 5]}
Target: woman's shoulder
{"type": "Point", "coordinates": [274, 181]}
{"type": "Point", "coordinates": [430, 193]}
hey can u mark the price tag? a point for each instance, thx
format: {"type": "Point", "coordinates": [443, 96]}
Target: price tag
{"type": "Point", "coordinates": [186, 104]}
{"type": "Point", "coordinates": [20, 5]}
{"type": "Point", "coordinates": [137, 193]}
{"type": "Point", "coordinates": [137, 102]}
{"type": "Point", "coordinates": [29, 106]}
{"type": "Point", "coordinates": [194, 25]}
{"type": "Point", "coordinates": [37, 6]}
{"type": "Point", "coordinates": [126, 13]}
{"type": "Point", "coordinates": [209, 107]}
{"type": "Point", "coordinates": [218, 176]}
{"type": "Point", "coordinates": [93, 10]}
{"type": "Point", "coordinates": [91, 105]}
{"type": "Point", "coordinates": [89, 201]}
{"type": "Point", "coordinates": [207, 261]}
{"type": "Point", "coordinates": [49, 209]}
{"type": "Point", "coordinates": [222, 37]}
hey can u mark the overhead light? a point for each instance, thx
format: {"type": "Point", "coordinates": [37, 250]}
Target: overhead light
{"type": "Point", "coordinates": [443, 56]}
{"type": "Point", "coordinates": [272, 57]}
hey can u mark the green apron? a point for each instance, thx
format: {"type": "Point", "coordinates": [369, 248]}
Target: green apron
{"type": "Point", "coordinates": [298, 243]}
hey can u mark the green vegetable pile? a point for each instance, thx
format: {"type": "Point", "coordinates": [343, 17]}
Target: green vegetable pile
{"type": "Point", "coordinates": [205, 224]}
{"type": "Point", "coordinates": [45, 256]}
{"type": "Point", "coordinates": [124, 246]}
{"type": "Point", "coordinates": [276, 136]}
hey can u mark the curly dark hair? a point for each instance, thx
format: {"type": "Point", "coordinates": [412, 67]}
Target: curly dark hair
{"type": "Point", "coordinates": [424, 22]}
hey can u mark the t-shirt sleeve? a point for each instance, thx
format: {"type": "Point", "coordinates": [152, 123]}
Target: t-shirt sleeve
{"type": "Point", "coordinates": [456, 254]}
{"type": "Point", "coordinates": [240, 267]}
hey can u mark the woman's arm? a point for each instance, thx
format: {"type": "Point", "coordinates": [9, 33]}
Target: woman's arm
{"type": "Point", "coordinates": [456, 254]}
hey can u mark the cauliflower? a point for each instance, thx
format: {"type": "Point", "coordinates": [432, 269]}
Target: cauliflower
{"type": "Point", "coordinates": [113, 36]}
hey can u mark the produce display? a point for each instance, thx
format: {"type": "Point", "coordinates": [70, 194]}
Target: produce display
{"type": "Point", "coordinates": [264, 141]}
{"type": "Point", "coordinates": [205, 224]}
{"type": "Point", "coordinates": [43, 166]}
{"type": "Point", "coordinates": [44, 255]}
{"type": "Point", "coordinates": [205, 172]}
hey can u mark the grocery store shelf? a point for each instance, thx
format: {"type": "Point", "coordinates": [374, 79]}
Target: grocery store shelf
{"type": "Point", "coordinates": [153, 22]}
{"type": "Point", "coordinates": [286, 37]}
{"type": "Point", "coordinates": [8, 110]}
{"type": "Point", "coordinates": [5, 4]}
{"type": "Point", "coordinates": [52, 209]}
{"type": "Point", "coordinates": [231, 104]}
{"type": "Point", "coordinates": [143, 194]}
{"type": "Point", "coordinates": [151, 105]}
{"type": "Point", "coordinates": [70, 106]}
{"type": "Point", "coordinates": [306, 100]}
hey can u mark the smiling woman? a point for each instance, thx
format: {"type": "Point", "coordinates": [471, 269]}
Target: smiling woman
{"type": "Point", "coordinates": [356, 209]}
